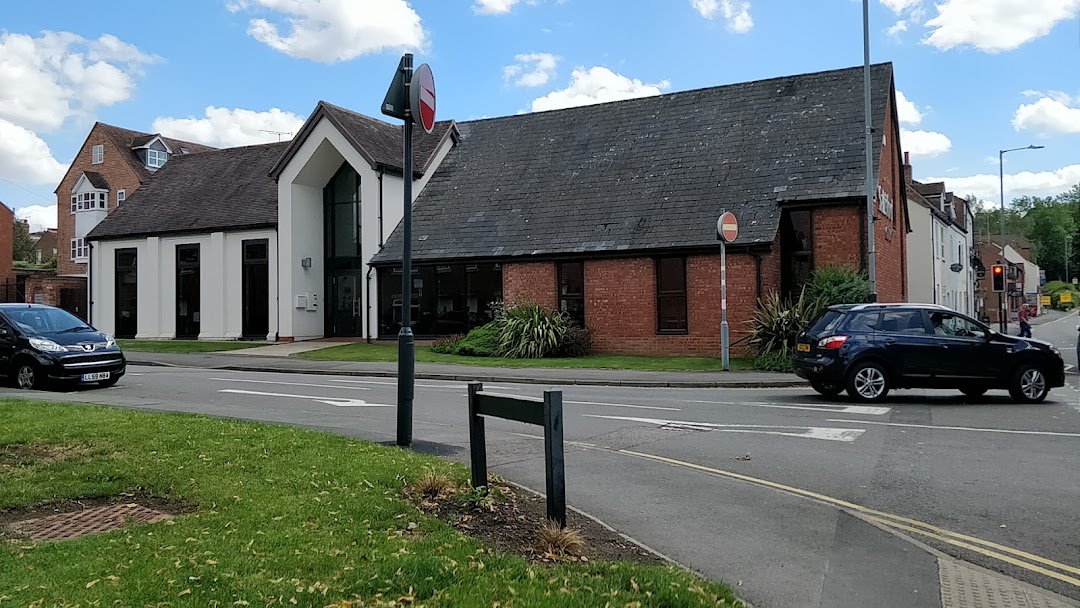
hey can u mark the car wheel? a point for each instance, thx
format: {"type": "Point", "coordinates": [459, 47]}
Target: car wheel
{"type": "Point", "coordinates": [27, 376]}
{"type": "Point", "coordinates": [110, 382]}
{"type": "Point", "coordinates": [1029, 385]}
{"type": "Point", "coordinates": [868, 382]}
{"type": "Point", "coordinates": [973, 392]}
{"type": "Point", "coordinates": [827, 389]}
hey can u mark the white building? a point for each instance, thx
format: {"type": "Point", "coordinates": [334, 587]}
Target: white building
{"type": "Point", "coordinates": [265, 242]}
{"type": "Point", "coordinates": [940, 247]}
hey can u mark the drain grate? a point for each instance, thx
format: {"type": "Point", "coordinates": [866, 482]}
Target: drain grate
{"type": "Point", "coordinates": [64, 526]}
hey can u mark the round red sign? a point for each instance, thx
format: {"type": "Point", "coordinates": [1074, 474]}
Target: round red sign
{"type": "Point", "coordinates": [728, 227]}
{"type": "Point", "coordinates": [422, 102]}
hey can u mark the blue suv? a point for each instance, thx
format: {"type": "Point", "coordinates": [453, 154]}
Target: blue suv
{"type": "Point", "coordinates": [870, 349]}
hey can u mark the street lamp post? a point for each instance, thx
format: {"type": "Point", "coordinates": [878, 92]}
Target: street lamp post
{"type": "Point", "coordinates": [871, 254]}
{"type": "Point", "coordinates": [1003, 308]}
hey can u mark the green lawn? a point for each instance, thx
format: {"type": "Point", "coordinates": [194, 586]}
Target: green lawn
{"type": "Point", "coordinates": [183, 346]}
{"type": "Point", "coordinates": [285, 517]}
{"type": "Point", "coordinates": [386, 352]}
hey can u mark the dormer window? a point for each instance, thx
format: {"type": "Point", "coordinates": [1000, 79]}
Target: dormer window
{"type": "Point", "coordinates": [155, 159]}
{"type": "Point", "coordinates": [91, 193]}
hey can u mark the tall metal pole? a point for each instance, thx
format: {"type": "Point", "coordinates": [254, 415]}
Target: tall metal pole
{"type": "Point", "coordinates": [406, 342]}
{"type": "Point", "coordinates": [725, 344]}
{"type": "Point", "coordinates": [871, 265]}
{"type": "Point", "coordinates": [1003, 300]}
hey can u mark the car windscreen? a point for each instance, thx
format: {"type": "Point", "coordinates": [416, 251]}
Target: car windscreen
{"type": "Point", "coordinates": [46, 320]}
{"type": "Point", "coordinates": [827, 322]}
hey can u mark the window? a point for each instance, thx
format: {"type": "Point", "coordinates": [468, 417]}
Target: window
{"type": "Point", "coordinates": [864, 321]}
{"type": "Point", "coordinates": [156, 158]}
{"type": "Point", "coordinates": [183, 150]}
{"type": "Point", "coordinates": [948, 324]}
{"type": "Point", "coordinates": [74, 203]}
{"type": "Point", "coordinates": [903, 322]}
{"type": "Point", "coordinates": [80, 249]}
{"type": "Point", "coordinates": [572, 290]}
{"type": "Point", "coordinates": [90, 201]}
{"type": "Point", "coordinates": [671, 295]}
{"type": "Point", "coordinates": [97, 154]}
{"type": "Point", "coordinates": [121, 196]}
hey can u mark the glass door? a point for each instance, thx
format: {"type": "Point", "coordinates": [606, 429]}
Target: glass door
{"type": "Point", "coordinates": [346, 312]}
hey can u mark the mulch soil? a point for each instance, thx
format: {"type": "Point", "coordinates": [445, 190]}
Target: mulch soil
{"type": "Point", "coordinates": [514, 518]}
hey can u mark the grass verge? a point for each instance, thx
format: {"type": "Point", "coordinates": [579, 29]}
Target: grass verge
{"type": "Point", "coordinates": [386, 352]}
{"type": "Point", "coordinates": [285, 517]}
{"type": "Point", "coordinates": [183, 346]}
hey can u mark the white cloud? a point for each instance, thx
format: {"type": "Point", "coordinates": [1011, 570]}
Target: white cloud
{"type": "Point", "coordinates": [335, 30]}
{"type": "Point", "coordinates": [735, 12]}
{"type": "Point", "coordinates": [597, 85]}
{"type": "Point", "coordinates": [494, 7]}
{"type": "Point", "coordinates": [993, 26]}
{"type": "Point", "coordinates": [924, 144]}
{"type": "Point", "coordinates": [225, 128]}
{"type": "Point", "coordinates": [1053, 114]}
{"type": "Point", "coordinates": [899, 6]}
{"type": "Point", "coordinates": [46, 80]}
{"type": "Point", "coordinates": [25, 158]}
{"type": "Point", "coordinates": [532, 69]}
{"type": "Point", "coordinates": [907, 111]}
{"type": "Point", "coordinates": [1026, 183]}
{"type": "Point", "coordinates": [39, 216]}
{"type": "Point", "coordinates": [897, 28]}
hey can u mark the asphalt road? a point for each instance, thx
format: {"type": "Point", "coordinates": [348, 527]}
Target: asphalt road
{"type": "Point", "coordinates": [741, 485]}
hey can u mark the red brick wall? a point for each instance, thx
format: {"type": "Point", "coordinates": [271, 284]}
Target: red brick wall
{"type": "Point", "coordinates": [7, 243]}
{"type": "Point", "coordinates": [531, 282]}
{"type": "Point", "coordinates": [116, 171]}
{"type": "Point", "coordinates": [836, 236]}
{"type": "Point", "coordinates": [49, 287]}
{"type": "Point", "coordinates": [891, 233]}
{"type": "Point", "coordinates": [620, 301]}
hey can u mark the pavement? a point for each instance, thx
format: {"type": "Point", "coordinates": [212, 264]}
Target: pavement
{"type": "Point", "coordinates": [795, 500]}
{"type": "Point", "coordinates": [236, 361]}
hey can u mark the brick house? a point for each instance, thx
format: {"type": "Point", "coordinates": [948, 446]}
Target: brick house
{"type": "Point", "coordinates": [111, 164]}
{"type": "Point", "coordinates": [608, 212]}
{"type": "Point", "coordinates": [8, 292]}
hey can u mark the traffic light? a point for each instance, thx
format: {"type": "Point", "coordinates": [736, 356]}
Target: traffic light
{"type": "Point", "coordinates": [997, 274]}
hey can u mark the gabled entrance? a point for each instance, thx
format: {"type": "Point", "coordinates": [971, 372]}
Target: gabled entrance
{"type": "Point", "coordinates": [344, 270]}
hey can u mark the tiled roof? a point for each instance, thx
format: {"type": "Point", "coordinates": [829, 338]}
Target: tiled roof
{"type": "Point", "coordinates": [380, 143]}
{"type": "Point", "coordinates": [647, 174]}
{"type": "Point", "coordinates": [221, 190]}
{"type": "Point", "coordinates": [125, 139]}
{"type": "Point", "coordinates": [96, 180]}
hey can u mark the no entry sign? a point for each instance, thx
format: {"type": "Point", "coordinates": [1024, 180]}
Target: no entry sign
{"type": "Point", "coordinates": [727, 227]}
{"type": "Point", "coordinates": [422, 98]}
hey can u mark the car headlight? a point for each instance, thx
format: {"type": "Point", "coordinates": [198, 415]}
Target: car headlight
{"type": "Point", "coordinates": [110, 341]}
{"type": "Point", "coordinates": [1055, 350]}
{"type": "Point", "coordinates": [47, 346]}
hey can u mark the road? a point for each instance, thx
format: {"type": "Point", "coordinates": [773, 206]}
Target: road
{"type": "Point", "coordinates": [741, 485]}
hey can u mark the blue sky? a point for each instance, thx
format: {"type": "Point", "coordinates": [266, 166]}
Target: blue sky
{"type": "Point", "coordinates": [978, 75]}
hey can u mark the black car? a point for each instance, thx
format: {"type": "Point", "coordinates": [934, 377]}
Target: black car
{"type": "Point", "coordinates": [40, 343]}
{"type": "Point", "coordinates": [869, 349]}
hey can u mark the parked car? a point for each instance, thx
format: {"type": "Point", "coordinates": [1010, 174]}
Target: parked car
{"type": "Point", "coordinates": [39, 344]}
{"type": "Point", "coordinates": [870, 349]}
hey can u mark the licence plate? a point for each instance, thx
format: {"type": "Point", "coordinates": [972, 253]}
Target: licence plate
{"type": "Point", "coordinates": [95, 377]}
{"type": "Point", "coordinates": [803, 348]}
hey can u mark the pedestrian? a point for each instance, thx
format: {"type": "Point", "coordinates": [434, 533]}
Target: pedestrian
{"type": "Point", "coordinates": [1025, 321]}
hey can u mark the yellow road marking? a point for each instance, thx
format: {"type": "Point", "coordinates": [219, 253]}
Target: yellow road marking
{"type": "Point", "coordinates": [928, 529]}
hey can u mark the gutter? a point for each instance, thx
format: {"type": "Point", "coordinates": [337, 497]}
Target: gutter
{"type": "Point", "coordinates": [380, 209]}
{"type": "Point", "coordinates": [90, 285]}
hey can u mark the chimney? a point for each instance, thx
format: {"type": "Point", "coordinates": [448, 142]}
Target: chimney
{"type": "Point", "coordinates": [907, 167]}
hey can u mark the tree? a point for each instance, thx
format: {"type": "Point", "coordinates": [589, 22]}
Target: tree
{"type": "Point", "coordinates": [23, 247]}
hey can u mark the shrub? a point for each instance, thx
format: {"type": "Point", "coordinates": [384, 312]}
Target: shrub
{"type": "Point", "coordinates": [555, 541]}
{"type": "Point", "coordinates": [576, 342]}
{"type": "Point", "coordinates": [779, 361]}
{"type": "Point", "coordinates": [481, 342]}
{"type": "Point", "coordinates": [777, 323]}
{"type": "Point", "coordinates": [530, 331]}
{"type": "Point", "coordinates": [447, 345]}
{"type": "Point", "coordinates": [839, 285]}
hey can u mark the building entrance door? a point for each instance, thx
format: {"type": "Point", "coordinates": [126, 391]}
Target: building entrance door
{"type": "Point", "coordinates": [346, 309]}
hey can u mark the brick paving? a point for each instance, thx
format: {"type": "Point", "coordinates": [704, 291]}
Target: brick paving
{"type": "Point", "coordinates": [64, 526]}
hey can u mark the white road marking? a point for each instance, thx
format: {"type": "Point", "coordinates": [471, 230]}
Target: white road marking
{"type": "Point", "coordinates": [456, 387]}
{"type": "Point", "coordinates": [326, 400]}
{"type": "Point", "coordinates": [339, 388]}
{"type": "Point", "coordinates": [805, 432]}
{"type": "Point", "coordinates": [960, 428]}
{"type": "Point", "coordinates": [541, 438]}
{"type": "Point", "coordinates": [865, 410]}
{"type": "Point", "coordinates": [637, 407]}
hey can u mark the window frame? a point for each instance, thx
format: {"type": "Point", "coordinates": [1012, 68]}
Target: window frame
{"type": "Point", "coordinates": [97, 154]}
{"type": "Point", "coordinates": [121, 196]}
{"type": "Point", "coordinates": [159, 157]}
{"type": "Point", "coordinates": [560, 269]}
{"type": "Point", "coordinates": [670, 295]}
{"type": "Point", "coordinates": [80, 250]}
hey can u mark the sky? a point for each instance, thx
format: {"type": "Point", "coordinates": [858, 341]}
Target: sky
{"type": "Point", "coordinates": [973, 76]}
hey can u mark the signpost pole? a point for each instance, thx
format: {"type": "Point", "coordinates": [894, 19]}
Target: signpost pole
{"type": "Point", "coordinates": [406, 341]}
{"type": "Point", "coordinates": [725, 343]}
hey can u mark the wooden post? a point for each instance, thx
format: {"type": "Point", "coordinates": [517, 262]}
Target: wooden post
{"type": "Point", "coordinates": [553, 457]}
{"type": "Point", "coordinates": [477, 439]}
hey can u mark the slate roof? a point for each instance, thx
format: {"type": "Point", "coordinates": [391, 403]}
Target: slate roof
{"type": "Point", "coordinates": [380, 143]}
{"type": "Point", "coordinates": [96, 180]}
{"type": "Point", "coordinates": [647, 174]}
{"type": "Point", "coordinates": [226, 189]}
{"type": "Point", "coordinates": [125, 139]}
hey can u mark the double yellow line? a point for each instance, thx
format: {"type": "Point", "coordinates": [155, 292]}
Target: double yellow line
{"type": "Point", "coordinates": [1021, 559]}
